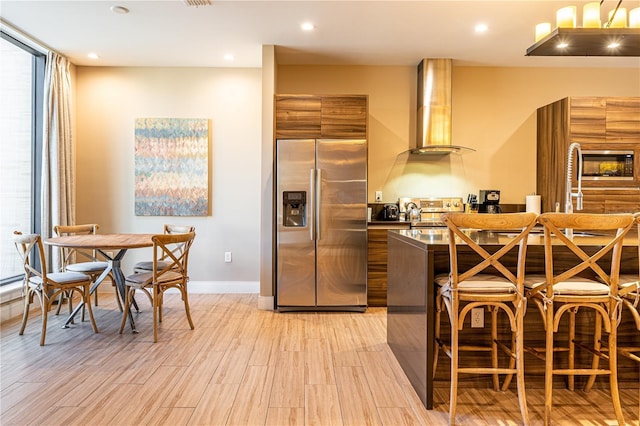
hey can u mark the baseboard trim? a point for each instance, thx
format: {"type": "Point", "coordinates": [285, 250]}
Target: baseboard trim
{"type": "Point", "coordinates": [206, 287]}
{"type": "Point", "coordinates": [11, 303]}
{"type": "Point", "coordinates": [266, 303]}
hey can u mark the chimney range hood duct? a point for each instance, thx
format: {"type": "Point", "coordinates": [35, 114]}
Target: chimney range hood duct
{"type": "Point", "coordinates": [433, 135]}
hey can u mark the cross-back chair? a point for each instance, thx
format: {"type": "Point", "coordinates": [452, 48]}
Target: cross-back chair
{"type": "Point", "coordinates": [44, 286]}
{"type": "Point", "coordinates": [629, 294]}
{"type": "Point", "coordinates": [147, 265]}
{"type": "Point", "coordinates": [82, 260]}
{"type": "Point", "coordinates": [629, 291]}
{"type": "Point", "coordinates": [174, 274]}
{"type": "Point", "coordinates": [487, 284]}
{"type": "Point", "coordinates": [591, 282]}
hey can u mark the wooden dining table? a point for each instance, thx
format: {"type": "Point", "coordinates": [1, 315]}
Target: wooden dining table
{"type": "Point", "coordinates": [106, 245]}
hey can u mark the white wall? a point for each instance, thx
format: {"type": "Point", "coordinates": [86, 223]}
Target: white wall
{"type": "Point", "coordinates": [110, 99]}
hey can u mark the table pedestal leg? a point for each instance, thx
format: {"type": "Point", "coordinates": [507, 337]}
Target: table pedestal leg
{"type": "Point", "coordinates": [118, 276]}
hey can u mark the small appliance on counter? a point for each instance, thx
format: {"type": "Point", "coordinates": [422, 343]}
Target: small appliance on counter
{"type": "Point", "coordinates": [489, 201]}
{"type": "Point", "coordinates": [389, 212]}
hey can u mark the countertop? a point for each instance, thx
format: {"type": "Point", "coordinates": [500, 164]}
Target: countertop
{"type": "Point", "coordinates": [440, 236]}
{"type": "Point", "coordinates": [388, 223]}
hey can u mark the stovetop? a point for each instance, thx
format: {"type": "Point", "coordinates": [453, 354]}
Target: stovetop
{"type": "Point", "coordinates": [430, 209]}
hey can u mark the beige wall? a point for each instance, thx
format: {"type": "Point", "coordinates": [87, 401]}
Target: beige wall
{"type": "Point", "coordinates": [110, 99]}
{"type": "Point", "coordinates": [494, 112]}
{"type": "Point", "coordinates": [266, 300]}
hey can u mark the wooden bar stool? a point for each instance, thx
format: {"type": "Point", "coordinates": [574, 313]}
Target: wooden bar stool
{"type": "Point", "coordinates": [565, 289]}
{"type": "Point", "coordinates": [486, 284]}
{"type": "Point", "coordinates": [629, 293]}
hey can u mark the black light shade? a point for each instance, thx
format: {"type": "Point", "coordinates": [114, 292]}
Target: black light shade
{"type": "Point", "coordinates": [588, 42]}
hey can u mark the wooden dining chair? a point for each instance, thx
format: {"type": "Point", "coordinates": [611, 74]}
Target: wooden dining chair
{"type": "Point", "coordinates": [147, 265]}
{"type": "Point", "coordinates": [173, 275]}
{"type": "Point", "coordinates": [80, 260]}
{"type": "Point", "coordinates": [47, 286]}
{"type": "Point", "coordinates": [591, 282]}
{"type": "Point", "coordinates": [486, 284]}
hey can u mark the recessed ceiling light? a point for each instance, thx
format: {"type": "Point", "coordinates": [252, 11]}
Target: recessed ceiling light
{"type": "Point", "coordinates": [93, 55]}
{"type": "Point", "coordinates": [229, 57]}
{"type": "Point", "coordinates": [307, 26]}
{"type": "Point", "coordinates": [613, 45]}
{"type": "Point", "coordinates": [121, 10]}
{"type": "Point", "coordinates": [563, 45]}
{"type": "Point", "coordinates": [481, 28]}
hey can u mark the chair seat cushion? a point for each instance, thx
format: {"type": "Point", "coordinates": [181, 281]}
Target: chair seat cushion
{"type": "Point", "coordinates": [575, 286]}
{"type": "Point", "coordinates": [629, 286]}
{"type": "Point", "coordinates": [145, 278]}
{"type": "Point", "coordinates": [148, 265]}
{"type": "Point", "coordinates": [628, 279]}
{"type": "Point", "coordinates": [87, 266]}
{"type": "Point", "coordinates": [481, 283]}
{"type": "Point", "coordinates": [533, 281]}
{"type": "Point", "coordinates": [63, 277]}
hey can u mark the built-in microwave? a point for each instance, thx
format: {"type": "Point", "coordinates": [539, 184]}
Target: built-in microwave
{"type": "Point", "coordinates": [608, 165]}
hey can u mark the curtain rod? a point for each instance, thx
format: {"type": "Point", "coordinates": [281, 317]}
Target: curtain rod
{"type": "Point", "coordinates": [25, 38]}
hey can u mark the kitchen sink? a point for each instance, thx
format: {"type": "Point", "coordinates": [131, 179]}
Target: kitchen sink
{"type": "Point", "coordinates": [541, 233]}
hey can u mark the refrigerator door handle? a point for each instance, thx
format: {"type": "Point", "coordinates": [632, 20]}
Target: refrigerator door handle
{"type": "Point", "coordinates": [312, 201]}
{"type": "Point", "coordinates": [318, 203]}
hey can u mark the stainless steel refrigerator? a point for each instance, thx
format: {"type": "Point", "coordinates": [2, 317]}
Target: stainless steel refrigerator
{"type": "Point", "coordinates": [321, 241]}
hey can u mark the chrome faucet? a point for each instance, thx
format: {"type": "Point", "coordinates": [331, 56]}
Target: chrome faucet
{"type": "Point", "coordinates": [568, 206]}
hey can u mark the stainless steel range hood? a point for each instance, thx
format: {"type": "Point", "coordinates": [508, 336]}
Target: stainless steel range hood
{"type": "Point", "coordinates": [433, 134]}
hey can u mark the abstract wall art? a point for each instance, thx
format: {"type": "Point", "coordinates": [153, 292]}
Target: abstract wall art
{"type": "Point", "coordinates": [171, 167]}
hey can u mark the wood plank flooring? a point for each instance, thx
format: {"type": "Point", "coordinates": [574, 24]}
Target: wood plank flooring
{"type": "Point", "coordinates": [242, 366]}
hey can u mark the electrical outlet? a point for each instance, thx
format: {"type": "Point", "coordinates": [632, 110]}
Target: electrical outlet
{"type": "Point", "coordinates": [227, 256]}
{"type": "Point", "coordinates": [378, 196]}
{"type": "Point", "coordinates": [477, 318]}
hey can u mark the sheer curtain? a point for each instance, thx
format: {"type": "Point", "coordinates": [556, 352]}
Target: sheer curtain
{"type": "Point", "coordinates": [58, 176]}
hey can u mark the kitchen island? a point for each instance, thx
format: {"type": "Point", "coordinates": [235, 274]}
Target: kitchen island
{"type": "Point", "coordinates": [415, 256]}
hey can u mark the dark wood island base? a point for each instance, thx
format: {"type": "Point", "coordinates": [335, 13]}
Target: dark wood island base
{"type": "Point", "coordinates": [416, 256]}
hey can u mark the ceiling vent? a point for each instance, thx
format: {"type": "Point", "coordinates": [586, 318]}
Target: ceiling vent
{"type": "Point", "coordinates": [197, 3]}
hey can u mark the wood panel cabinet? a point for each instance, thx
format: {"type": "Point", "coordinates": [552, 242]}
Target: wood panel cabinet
{"type": "Point", "coordinates": [611, 201]}
{"type": "Point", "coordinates": [315, 116]}
{"type": "Point", "coordinates": [297, 117]}
{"type": "Point", "coordinates": [597, 123]}
{"type": "Point", "coordinates": [343, 117]}
{"type": "Point", "coordinates": [587, 122]}
{"type": "Point", "coordinates": [377, 262]}
{"type": "Point", "coordinates": [623, 120]}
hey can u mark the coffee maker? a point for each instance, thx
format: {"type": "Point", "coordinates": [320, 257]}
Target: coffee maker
{"type": "Point", "coordinates": [489, 201]}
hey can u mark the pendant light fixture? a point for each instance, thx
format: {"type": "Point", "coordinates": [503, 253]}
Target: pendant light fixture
{"type": "Point", "coordinates": [618, 36]}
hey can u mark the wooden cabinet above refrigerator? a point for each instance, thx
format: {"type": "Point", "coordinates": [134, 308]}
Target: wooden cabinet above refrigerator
{"type": "Point", "coordinates": [318, 116]}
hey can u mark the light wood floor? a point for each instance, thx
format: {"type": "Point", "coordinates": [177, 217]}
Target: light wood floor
{"type": "Point", "coordinates": [242, 366]}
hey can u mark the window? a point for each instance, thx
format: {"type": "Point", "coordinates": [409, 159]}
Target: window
{"type": "Point", "coordinates": [21, 88]}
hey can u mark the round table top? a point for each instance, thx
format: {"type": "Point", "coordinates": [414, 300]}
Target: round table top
{"type": "Point", "coordinates": [102, 241]}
